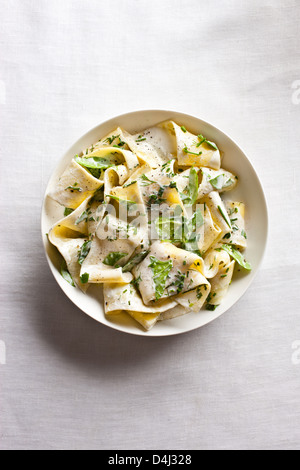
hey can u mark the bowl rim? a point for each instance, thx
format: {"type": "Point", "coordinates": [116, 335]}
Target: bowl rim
{"type": "Point", "coordinates": [139, 332]}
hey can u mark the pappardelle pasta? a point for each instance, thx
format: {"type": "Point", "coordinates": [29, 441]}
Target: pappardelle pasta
{"type": "Point", "coordinates": [145, 216]}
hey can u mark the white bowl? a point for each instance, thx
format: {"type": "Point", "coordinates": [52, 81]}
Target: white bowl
{"type": "Point", "coordinates": [249, 190]}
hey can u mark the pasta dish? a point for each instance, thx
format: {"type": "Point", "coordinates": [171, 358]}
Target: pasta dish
{"type": "Point", "coordinates": [148, 217]}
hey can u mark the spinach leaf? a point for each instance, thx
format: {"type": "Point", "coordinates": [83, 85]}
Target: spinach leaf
{"type": "Point", "coordinates": [113, 257]}
{"type": "Point", "coordinates": [217, 182]}
{"type": "Point", "coordinates": [68, 211]}
{"type": "Point", "coordinates": [98, 195]}
{"type": "Point", "coordinates": [65, 274]}
{"type": "Point", "coordinates": [85, 249]}
{"type": "Point", "coordinates": [137, 259]}
{"type": "Point", "coordinates": [94, 162]}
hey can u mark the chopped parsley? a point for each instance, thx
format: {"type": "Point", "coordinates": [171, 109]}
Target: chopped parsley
{"type": "Point", "coordinates": [156, 198]}
{"type": "Point", "coordinates": [232, 211]}
{"type": "Point", "coordinates": [199, 293]}
{"type": "Point", "coordinates": [211, 307]}
{"type": "Point", "coordinates": [84, 278]}
{"type": "Point", "coordinates": [179, 281]}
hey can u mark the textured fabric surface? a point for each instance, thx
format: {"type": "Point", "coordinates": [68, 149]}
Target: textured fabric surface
{"type": "Point", "coordinates": [69, 383]}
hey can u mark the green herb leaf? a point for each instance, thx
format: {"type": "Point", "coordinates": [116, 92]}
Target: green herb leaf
{"type": "Point", "coordinates": [84, 251]}
{"type": "Point", "coordinates": [85, 278]}
{"type": "Point", "coordinates": [183, 129]}
{"type": "Point", "coordinates": [65, 274]}
{"type": "Point", "coordinates": [220, 182]}
{"type": "Point", "coordinates": [199, 293]}
{"type": "Point", "coordinates": [136, 282]}
{"type": "Point", "coordinates": [146, 180]}
{"type": "Point", "coordinates": [68, 211]}
{"type": "Point", "coordinates": [137, 259]}
{"type": "Point", "coordinates": [243, 233]}
{"type": "Point", "coordinates": [98, 195]}
{"type": "Point", "coordinates": [156, 198]}
{"type": "Point", "coordinates": [190, 194]}
{"type": "Point", "coordinates": [83, 218]}
{"type": "Point", "coordinates": [225, 216]}
{"type": "Point", "coordinates": [161, 270]}
{"type": "Point", "coordinates": [96, 172]}
{"type": "Point", "coordinates": [110, 140]}
{"type": "Point", "coordinates": [125, 202]}
{"type": "Point", "coordinates": [179, 281]}
{"type": "Point", "coordinates": [75, 187]}
{"type": "Point", "coordinates": [187, 151]}
{"type": "Point", "coordinates": [129, 184]}
{"type": "Point", "coordinates": [204, 140]}
{"type": "Point", "coordinates": [211, 307]}
{"type": "Point", "coordinates": [113, 257]}
{"type": "Point", "coordinates": [237, 255]}
{"type": "Point", "coordinates": [94, 162]}
{"type": "Point", "coordinates": [227, 236]}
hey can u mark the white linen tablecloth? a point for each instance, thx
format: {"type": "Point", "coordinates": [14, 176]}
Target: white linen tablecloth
{"type": "Point", "coordinates": [67, 382]}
